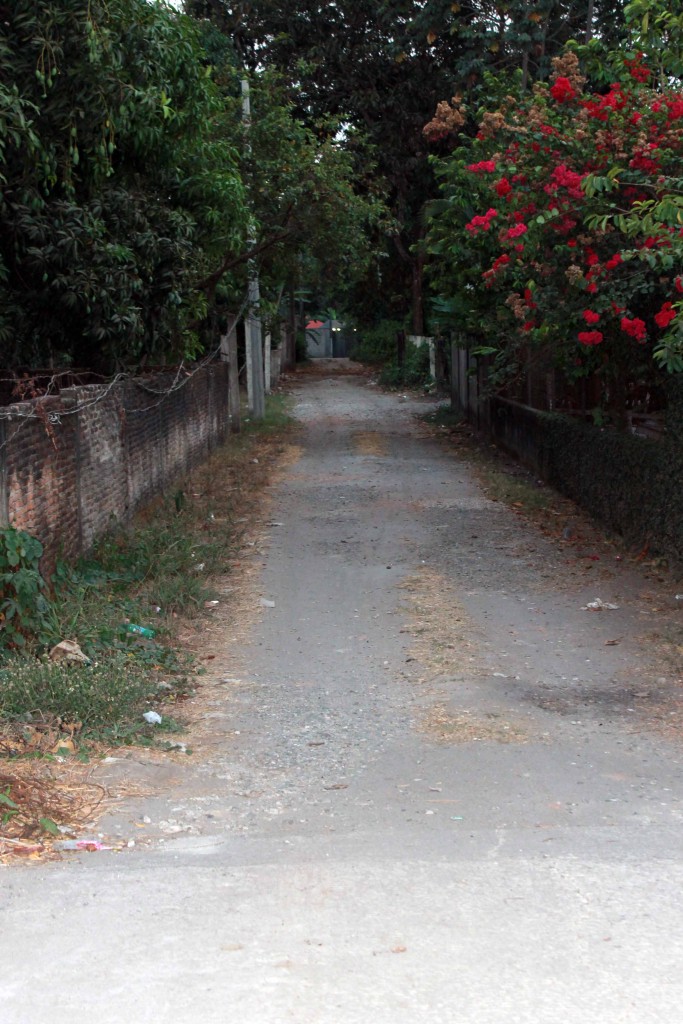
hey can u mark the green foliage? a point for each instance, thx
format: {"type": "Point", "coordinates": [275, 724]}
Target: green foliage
{"type": "Point", "coordinates": [377, 344]}
{"type": "Point", "coordinates": [24, 607]}
{"type": "Point", "coordinates": [414, 372]}
{"type": "Point", "coordinates": [116, 190]}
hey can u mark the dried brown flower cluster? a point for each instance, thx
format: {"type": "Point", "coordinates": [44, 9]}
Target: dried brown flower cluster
{"type": "Point", "coordinates": [567, 66]}
{"type": "Point", "coordinates": [449, 117]}
{"type": "Point", "coordinates": [491, 123]}
{"type": "Point", "coordinates": [517, 305]}
{"type": "Point", "coordinates": [574, 274]}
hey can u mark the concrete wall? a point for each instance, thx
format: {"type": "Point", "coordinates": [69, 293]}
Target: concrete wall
{"type": "Point", "coordinates": [71, 464]}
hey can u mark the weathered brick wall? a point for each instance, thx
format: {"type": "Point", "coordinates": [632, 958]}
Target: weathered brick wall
{"type": "Point", "coordinates": [73, 464]}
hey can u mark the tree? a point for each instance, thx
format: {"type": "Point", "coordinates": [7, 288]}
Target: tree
{"type": "Point", "coordinates": [382, 67]}
{"type": "Point", "coordinates": [115, 195]}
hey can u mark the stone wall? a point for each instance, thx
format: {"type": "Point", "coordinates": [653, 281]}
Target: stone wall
{"type": "Point", "coordinates": [72, 464]}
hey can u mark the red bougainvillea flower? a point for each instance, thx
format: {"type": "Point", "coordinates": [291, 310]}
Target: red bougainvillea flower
{"type": "Point", "coordinates": [590, 317]}
{"type": "Point", "coordinates": [678, 284]}
{"type": "Point", "coordinates": [484, 166]}
{"type": "Point", "coordinates": [562, 90]}
{"type": "Point", "coordinates": [517, 231]}
{"type": "Point", "coordinates": [675, 108]}
{"type": "Point", "coordinates": [503, 187]}
{"type": "Point", "coordinates": [634, 327]}
{"type": "Point", "coordinates": [636, 69]}
{"type": "Point", "coordinates": [592, 288]}
{"type": "Point", "coordinates": [590, 337]}
{"type": "Point", "coordinates": [666, 314]}
{"type": "Point", "coordinates": [614, 261]}
{"type": "Point", "coordinates": [481, 222]}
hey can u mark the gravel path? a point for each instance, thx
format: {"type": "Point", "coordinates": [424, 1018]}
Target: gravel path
{"type": "Point", "coordinates": [429, 785]}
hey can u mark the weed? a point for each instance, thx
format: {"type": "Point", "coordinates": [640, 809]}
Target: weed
{"type": "Point", "coordinates": [24, 608]}
{"type": "Point", "coordinates": [413, 373]}
{"type": "Point", "coordinates": [90, 694]}
{"type": "Point", "coordinates": [444, 416]}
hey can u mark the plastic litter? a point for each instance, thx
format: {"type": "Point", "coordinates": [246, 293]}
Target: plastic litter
{"type": "Point", "coordinates": [152, 717]}
{"type": "Point", "coordinates": [265, 603]}
{"type": "Point", "coordinates": [132, 627]}
{"type": "Point", "coordinates": [90, 845]}
{"type": "Point", "coordinates": [69, 651]}
{"type": "Point", "coordinates": [596, 605]}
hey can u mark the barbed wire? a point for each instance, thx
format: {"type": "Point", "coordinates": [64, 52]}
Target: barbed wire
{"type": "Point", "coordinates": [13, 414]}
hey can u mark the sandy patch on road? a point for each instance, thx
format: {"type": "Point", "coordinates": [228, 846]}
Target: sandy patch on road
{"type": "Point", "coordinates": [446, 726]}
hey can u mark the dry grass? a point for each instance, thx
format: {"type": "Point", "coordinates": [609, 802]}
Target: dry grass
{"type": "Point", "coordinates": [470, 727]}
{"type": "Point", "coordinates": [443, 633]}
{"type": "Point", "coordinates": [370, 442]}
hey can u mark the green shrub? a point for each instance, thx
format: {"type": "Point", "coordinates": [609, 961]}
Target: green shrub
{"type": "Point", "coordinates": [413, 373]}
{"type": "Point", "coordinates": [24, 607]}
{"type": "Point", "coordinates": [377, 344]}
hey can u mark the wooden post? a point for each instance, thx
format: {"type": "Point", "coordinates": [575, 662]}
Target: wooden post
{"type": "Point", "coordinates": [401, 349]}
{"type": "Point", "coordinates": [267, 362]}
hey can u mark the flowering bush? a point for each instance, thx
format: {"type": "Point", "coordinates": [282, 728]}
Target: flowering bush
{"type": "Point", "coordinates": [579, 257]}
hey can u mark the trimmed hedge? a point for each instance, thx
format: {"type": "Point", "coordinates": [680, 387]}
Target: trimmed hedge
{"type": "Point", "coordinates": [632, 484]}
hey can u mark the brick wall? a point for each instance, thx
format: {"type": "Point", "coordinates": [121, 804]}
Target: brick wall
{"type": "Point", "coordinates": [70, 465]}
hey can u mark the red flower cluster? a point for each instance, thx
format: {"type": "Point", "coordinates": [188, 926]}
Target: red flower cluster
{"type": "Point", "coordinates": [501, 261]}
{"type": "Point", "coordinates": [637, 71]}
{"type": "Point", "coordinates": [517, 231]}
{"type": "Point", "coordinates": [484, 166]}
{"type": "Point", "coordinates": [590, 317]}
{"type": "Point", "coordinates": [590, 337]}
{"type": "Point", "coordinates": [562, 90]}
{"type": "Point", "coordinates": [482, 222]}
{"type": "Point", "coordinates": [503, 187]}
{"type": "Point", "coordinates": [634, 327]}
{"type": "Point", "coordinates": [563, 177]}
{"type": "Point", "coordinates": [666, 314]}
{"type": "Point", "coordinates": [613, 262]}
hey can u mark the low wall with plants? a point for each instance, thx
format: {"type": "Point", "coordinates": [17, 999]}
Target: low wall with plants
{"type": "Point", "coordinates": [632, 484]}
{"type": "Point", "coordinates": [73, 463]}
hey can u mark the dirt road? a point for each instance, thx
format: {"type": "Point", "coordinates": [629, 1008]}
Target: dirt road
{"type": "Point", "coordinates": [428, 783]}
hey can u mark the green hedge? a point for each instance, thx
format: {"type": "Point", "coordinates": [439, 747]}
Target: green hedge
{"type": "Point", "coordinates": [632, 484]}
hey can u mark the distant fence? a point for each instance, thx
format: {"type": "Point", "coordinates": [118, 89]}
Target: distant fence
{"type": "Point", "coordinates": [73, 463]}
{"type": "Point", "coordinates": [632, 483]}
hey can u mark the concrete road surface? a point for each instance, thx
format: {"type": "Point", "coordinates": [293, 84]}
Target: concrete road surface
{"type": "Point", "coordinates": [432, 788]}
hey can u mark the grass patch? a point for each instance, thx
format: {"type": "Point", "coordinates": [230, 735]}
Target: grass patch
{"type": "Point", "coordinates": [503, 485]}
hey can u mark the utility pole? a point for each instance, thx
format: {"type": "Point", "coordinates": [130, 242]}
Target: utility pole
{"type": "Point", "coordinates": [252, 323]}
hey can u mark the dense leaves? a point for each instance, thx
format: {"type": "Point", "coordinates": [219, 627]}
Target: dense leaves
{"type": "Point", "coordinates": [111, 190]}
